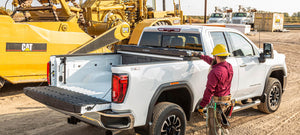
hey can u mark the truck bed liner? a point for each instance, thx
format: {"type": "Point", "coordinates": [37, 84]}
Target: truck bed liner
{"type": "Point", "coordinates": [63, 99]}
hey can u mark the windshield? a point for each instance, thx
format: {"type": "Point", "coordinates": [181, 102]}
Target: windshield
{"type": "Point", "coordinates": [240, 15]}
{"type": "Point", "coordinates": [216, 15]}
{"type": "Point", "coordinates": [172, 40]}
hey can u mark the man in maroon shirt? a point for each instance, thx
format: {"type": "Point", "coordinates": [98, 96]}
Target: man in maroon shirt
{"type": "Point", "coordinates": [220, 76]}
{"type": "Point", "coordinates": [218, 80]}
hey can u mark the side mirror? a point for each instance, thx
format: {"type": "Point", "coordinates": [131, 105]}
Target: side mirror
{"type": "Point", "coordinates": [267, 53]}
{"type": "Point", "coordinates": [268, 50]}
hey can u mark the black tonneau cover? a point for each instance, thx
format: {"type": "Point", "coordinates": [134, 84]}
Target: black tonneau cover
{"type": "Point", "coordinates": [153, 50]}
{"type": "Point", "coordinates": [62, 99]}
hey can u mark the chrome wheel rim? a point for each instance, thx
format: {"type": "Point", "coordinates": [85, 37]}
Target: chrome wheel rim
{"type": "Point", "coordinates": [171, 126]}
{"type": "Point", "coordinates": [274, 97]}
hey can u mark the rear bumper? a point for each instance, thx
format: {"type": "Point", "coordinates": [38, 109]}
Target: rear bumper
{"type": "Point", "coordinates": [86, 108]}
{"type": "Point", "coordinates": [105, 119]}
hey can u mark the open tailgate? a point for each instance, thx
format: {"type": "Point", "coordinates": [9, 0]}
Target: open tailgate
{"type": "Point", "coordinates": [66, 100]}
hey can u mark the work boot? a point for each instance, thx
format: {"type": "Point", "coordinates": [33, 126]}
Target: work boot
{"type": "Point", "coordinates": [226, 132]}
{"type": "Point", "coordinates": [222, 131]}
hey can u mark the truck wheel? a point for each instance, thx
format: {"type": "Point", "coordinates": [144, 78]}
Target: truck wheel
{"type": "Point", "coordinates": [273, 94]}
{"type": "Point", "coordinates": [2, 82]}
{"type": "Point", "coordinates": [168, 119]}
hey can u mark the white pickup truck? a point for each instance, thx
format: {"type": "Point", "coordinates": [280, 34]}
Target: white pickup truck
{"type": "Point", "coordinates": [155, 86]}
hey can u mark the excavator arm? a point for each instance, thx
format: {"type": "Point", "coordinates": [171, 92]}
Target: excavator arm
{"type": "Point", "coordinates": [3, 12]}
{"type": "Point", "coordinates": [112, 36]}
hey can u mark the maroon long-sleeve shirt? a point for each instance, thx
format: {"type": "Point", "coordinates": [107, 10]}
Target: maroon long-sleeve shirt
{"type": "Point", "coordinates": [218, 80]}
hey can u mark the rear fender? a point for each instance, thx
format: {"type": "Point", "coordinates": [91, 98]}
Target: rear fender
{"type": "Point", "coordinates": [168, 87]}
{"type": "Point", "coordinates": [282, 79]}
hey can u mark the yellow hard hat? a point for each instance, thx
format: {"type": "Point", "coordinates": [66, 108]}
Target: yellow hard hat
{"type": "Point", "coordinates": [220, 50]}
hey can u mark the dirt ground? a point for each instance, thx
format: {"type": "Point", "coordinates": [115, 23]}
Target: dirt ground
{"type": "Point", "coordinates": [21, 115]}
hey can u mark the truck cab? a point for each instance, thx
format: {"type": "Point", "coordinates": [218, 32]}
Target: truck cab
{"type": "Point", "coordinates": [243, 18]}
{"type": "Point", "coordinates": [217, 18]}
{"type": "Point", "coordinates": [220, 18]}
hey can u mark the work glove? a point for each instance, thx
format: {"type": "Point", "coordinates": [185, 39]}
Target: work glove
{"type": "Point", "coordinates": [196, 54]}
{"type": "Point", "coordinates": [200, 110]}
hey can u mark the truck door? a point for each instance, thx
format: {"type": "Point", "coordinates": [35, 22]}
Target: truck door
{"type": "Point", "coordinates": [219, 38]}
{"type": "Point", "coordinates": [251, 72]}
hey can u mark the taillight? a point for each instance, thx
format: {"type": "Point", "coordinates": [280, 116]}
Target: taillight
{"type": "Point", "coordinates": [49, 72]}
{"type": "Point", "coordinates": [119, 88]}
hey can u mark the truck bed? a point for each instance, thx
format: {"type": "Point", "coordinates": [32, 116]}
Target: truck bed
{"type": "Point", "coordinates": [64, 99]}
{"type": "Point", "coordinates": [82, 83]}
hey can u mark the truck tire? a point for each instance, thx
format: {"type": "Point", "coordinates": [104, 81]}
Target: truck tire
{"type": "Point", "coordinates": [272, 97]}
{"type": "Point", "coordinates": [168, 119]}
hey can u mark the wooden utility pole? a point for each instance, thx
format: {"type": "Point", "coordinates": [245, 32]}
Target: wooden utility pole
{"type": "Point", "coordinates": [164, 5]}
{"type": "Point", "coordinates": [205, 9]}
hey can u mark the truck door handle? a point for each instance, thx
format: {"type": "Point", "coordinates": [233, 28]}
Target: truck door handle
{"type": "Point", "coordinates": [243, 65]}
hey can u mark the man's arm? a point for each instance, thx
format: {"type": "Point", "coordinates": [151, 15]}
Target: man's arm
{"type": "Point", "coordinates": [206, 58]}
{"type": "Point", "coordinates": [211, 84]}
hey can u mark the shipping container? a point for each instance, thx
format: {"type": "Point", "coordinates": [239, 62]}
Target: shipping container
{"type": "Point", "coordinates": [268, 22]}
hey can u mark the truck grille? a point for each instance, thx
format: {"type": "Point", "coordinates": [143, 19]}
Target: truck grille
{"type": "Point", "coordinates": [236, 21]}
{"type": "Point", "coordinates": [212, 21]}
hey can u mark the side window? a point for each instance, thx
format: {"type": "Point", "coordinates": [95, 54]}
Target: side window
{"type": "Point", "coordinates": [151, 39]}
{"type": "Point", "coordinates": [218, 38]}
{"type": "Point", "coordinates": [240, 46]}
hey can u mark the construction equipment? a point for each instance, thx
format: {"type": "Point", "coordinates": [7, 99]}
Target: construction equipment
{"type": "Point", "coordinates": [3, 12]}
{"type": "Point", "coordinates": [221, 15]}
{"type": "Point", "coordinates": [63, 26]}
{"type": "Point", "coordinates": [244, 16]}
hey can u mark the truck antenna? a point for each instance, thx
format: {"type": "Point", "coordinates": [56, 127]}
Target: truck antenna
{"type": "Point", "coordinates": [259, 39]}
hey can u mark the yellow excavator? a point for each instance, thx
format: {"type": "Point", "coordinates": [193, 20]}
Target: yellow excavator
{"type": "Point", "coordinates": [31, 34]}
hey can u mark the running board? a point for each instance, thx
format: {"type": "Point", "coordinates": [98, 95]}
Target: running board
{"type": "Point", "coordinates": [241, 107]}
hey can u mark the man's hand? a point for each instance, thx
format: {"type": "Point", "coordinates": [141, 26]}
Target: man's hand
{"type": "Point", "coordinates": [200, 110]}
{"type": "Point", "coordinates": [196, 54]}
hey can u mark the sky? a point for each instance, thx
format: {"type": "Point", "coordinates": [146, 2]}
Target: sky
{"type": "Point", "coordinates": [196, 7]}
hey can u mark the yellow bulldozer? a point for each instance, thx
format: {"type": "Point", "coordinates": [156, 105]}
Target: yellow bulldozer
{"type": "Point", "coordinates": [32, 33]}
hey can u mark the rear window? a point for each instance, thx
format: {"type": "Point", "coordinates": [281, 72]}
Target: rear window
{"type": "Point", "coordinates": [189, 41]}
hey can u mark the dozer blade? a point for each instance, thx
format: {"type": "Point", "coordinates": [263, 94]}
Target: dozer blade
{"type": "Point", "coordinates": [113, 35]}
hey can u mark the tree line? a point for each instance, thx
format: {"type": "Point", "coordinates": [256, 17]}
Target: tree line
{"type": "Point", "coordinates": [295, 18]}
